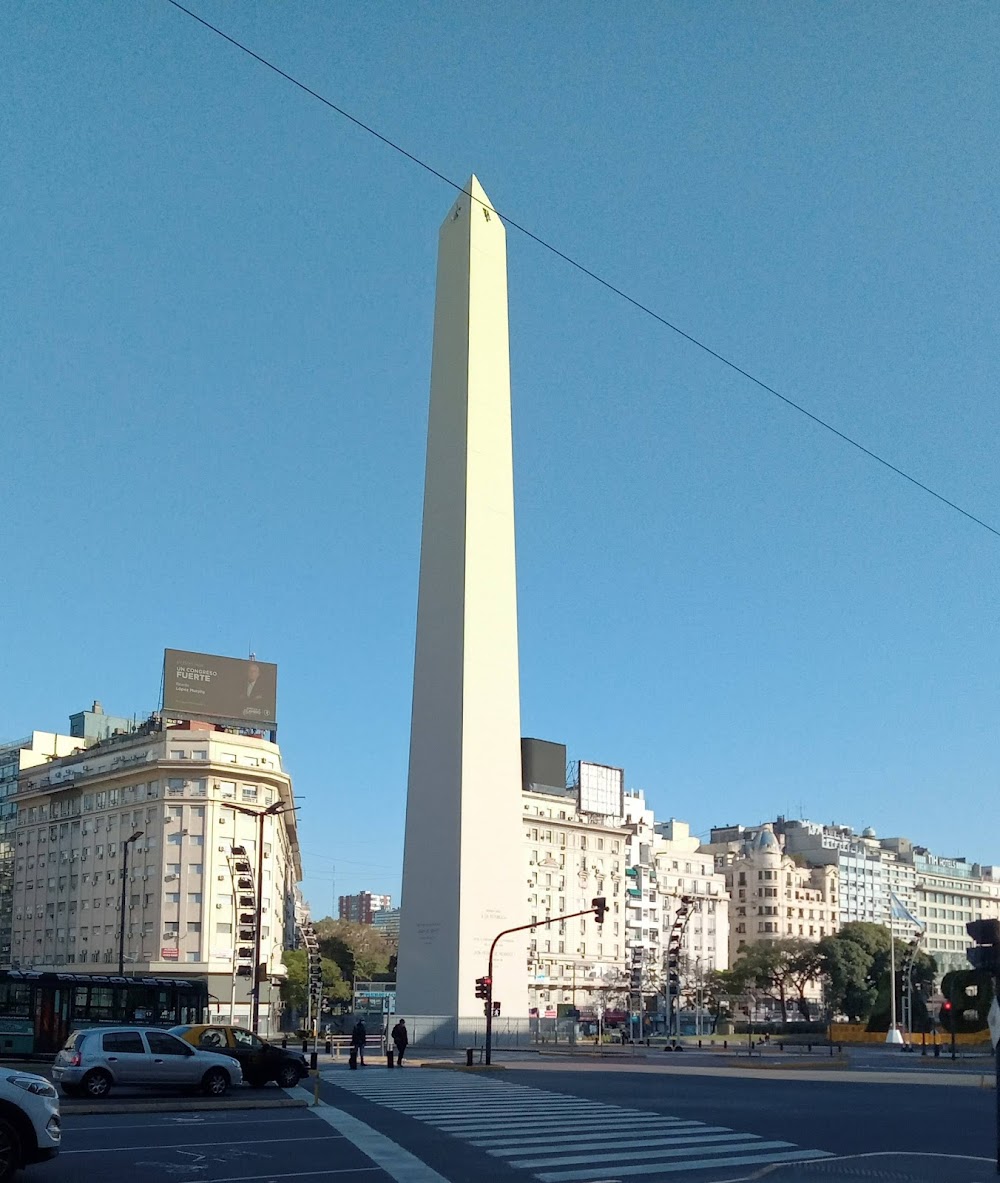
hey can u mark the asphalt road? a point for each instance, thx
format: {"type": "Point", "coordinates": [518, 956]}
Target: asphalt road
{"type": "Point", "coordinates": [558, 1123]}
{"type": "Point", "coordinates": [270, 1144]}
{"type": "Point", "coordinates": [521, 1123]}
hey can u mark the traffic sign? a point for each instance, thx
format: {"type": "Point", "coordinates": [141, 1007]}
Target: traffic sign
{"type": "Point", "coordinates": [993, 1018]}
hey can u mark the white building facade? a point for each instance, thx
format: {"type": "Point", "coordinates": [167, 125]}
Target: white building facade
{"type": "Point", "coordinates": [179, 800]}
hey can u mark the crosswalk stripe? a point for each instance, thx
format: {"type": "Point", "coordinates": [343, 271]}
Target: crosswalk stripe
{"type": "Point", "coordinates": [750, 1143]}
{"type": "Point", "coordinates": [582, 1137]}
{"type": "Point", "coordinates": [686, 1141]}
{"type": "Point", "coordinates": [611, 1124]}
{"type": "Point", "coordinates": [707, 1164]}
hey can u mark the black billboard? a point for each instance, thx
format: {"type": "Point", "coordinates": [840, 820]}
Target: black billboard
{"type": "Point", "coordinates": [227, 688]}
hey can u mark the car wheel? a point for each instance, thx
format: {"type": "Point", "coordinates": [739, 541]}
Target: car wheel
{"type": "Point", "coordinates": [215, 1083]}
{"type": "Point", "coordinates": [288, 1076]}
{"type": "Point", "coordinates": [97, 1084]}
{"type": "Point", "coordinates": [10, 1150]}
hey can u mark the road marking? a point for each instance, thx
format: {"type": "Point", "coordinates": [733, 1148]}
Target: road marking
{"type": "Point", "coordinates": [671, 1168]}
{"type": "Point", "coordinates": [694, 1139]}
{"type": "Point", "coordinates": [534, 1130]}
{"type": "Point", "coordinates": [581, 1139]}
{"type": "Point", "coordinates": [215, 1145]}
{"type": "Point", "coordinates": [398, 1163]}
{"type": "Point", "coordinates": [575, 1160]}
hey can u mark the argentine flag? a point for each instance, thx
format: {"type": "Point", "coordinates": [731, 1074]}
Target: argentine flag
{"type": "Point", "coordinates": [899, 911]}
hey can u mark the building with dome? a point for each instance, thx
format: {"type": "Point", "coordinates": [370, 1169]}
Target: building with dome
{"type": "Point", "coordinates": [774, 897]}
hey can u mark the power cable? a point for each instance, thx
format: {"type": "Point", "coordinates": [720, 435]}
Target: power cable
{"type": "Point", "coordinates": [605, 283]}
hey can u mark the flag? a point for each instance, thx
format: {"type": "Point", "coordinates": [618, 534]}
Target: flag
{"type": "Point", "coordinates": [899, 911]}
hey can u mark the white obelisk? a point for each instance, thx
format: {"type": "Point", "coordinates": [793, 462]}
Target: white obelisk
{"type": "Point", "coordinates": [463, 862]}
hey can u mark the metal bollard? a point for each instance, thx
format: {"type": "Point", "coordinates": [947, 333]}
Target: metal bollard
{"type": "Point", "coordinates": [284, 1041]}
{"type": "Point", "coordinates": [329, 1046]}
{"type": "Point", "coordinates": [699, 1045]}
{"type": "Point", "coordinates": [937, 1051]}
{"type": "Point", "coordinates": [313, 1059]}
{"type": "Point", "coordinates": [390, 1058]}
{"type": "Point", "coordinates": [725, 1044]}
{"type": "Point", "coordinates": [305, 1045]}
{"type": "Point", "coordinates": [469, 1052]}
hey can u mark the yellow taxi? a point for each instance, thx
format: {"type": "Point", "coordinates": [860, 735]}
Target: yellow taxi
{"type": "Point", "coordinates": [261, 1061]}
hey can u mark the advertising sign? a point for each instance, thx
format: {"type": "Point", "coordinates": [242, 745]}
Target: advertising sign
{"type": "Point", "coordinates": [602, 789]}
{"type": "Point", "coordinates": [210, 687]}
{"type": "Point", "coordinates": [168, 954]}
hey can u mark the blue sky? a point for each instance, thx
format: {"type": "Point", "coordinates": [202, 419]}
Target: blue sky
{"type": "Point", "coordinates": [217, 302]}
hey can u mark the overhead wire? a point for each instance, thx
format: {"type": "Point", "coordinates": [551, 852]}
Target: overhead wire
{"type": "Point", "coordinates": [595, 276]}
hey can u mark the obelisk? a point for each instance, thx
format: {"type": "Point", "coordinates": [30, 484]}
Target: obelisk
{"type": "Point", "coordinates": [463, 861]}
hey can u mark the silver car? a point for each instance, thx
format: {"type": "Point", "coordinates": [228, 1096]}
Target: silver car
{"type": "Point", "coordinates": [97, 1059]}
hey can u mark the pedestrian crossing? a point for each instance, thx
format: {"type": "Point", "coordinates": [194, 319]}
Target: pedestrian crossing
{"type": "Point", "coordinates": [560, 1138]}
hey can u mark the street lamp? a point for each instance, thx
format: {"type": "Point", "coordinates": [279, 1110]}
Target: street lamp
{"type": "Point", "coordinates": [272, 811]}
{"type": "Point", "coordinates": [121, 935]}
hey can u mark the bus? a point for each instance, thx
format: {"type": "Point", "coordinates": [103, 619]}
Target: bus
{"type": "Point", "coordinates": [38, 1008]}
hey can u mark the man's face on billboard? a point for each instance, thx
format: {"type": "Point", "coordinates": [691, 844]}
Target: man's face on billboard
{"type": "Point", "coordinates": [253, 671]}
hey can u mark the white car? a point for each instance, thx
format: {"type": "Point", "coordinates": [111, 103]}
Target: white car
{"type": "Point", "coordinates": [29, 1121]}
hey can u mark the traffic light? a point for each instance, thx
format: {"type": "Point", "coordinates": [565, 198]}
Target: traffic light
{"type": "Point", "coordinates": [483, 987]}
{"type": "Point", "coordinates": [985, 954]}
{"type": "Point", "coordinates": [600, 906]}
{"type": "Point", "coordinates": [947, 1015]}
{"type": "Point", "coordinates": [496, 1010]}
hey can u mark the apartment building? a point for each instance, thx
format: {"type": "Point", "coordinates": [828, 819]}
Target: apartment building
{"type": "Point", "coordinates": [592, 838]}
{"type": "Point", "coordinates": [361, 908]}
{"type": "Point", "coordinates": [176, 823]}
{"type": "Point", "coordinates": [773, 897]}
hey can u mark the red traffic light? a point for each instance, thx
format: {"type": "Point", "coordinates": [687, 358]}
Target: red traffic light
{"type": "Point", "coordinates": [484, 987]}
{"type": "Point", "coordinates": [946, 1005]}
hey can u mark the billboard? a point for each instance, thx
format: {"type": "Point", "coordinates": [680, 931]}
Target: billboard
{"type": "Point", "coordinates": [231, 688]}
{"type": "Point", "coordinates": [602, 789]}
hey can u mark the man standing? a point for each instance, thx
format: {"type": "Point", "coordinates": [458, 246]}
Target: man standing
{"type": "Point", "coordinates": [358, 1037]}
{"type": "Point", "coordinates": [400, 1039]}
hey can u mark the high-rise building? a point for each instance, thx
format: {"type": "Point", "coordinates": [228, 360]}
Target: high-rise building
{"type": "Point", "coordinates": [462, 874]}
{"type": "Point", "coordinates": [361, 908]}
{"type": "Point", "coordinates": [593, 838]}
{"type": "Point", "coordinates": [17, 757]}
{"type": "Point", "coordinates": [191, 825]}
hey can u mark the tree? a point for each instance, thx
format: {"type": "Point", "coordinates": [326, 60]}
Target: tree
{"type": "Point", "coordinates": [856, 963]}
{"type": "Point", "coordinates": [720, 988]}
{"type": "Point", "coordinates": [363, 953]}
{"type": "Point", "coordinates": [768, 966]}
{"type": "Point", "coordinates": [295, 987]}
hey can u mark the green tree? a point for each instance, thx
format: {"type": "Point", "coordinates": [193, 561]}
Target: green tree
{"type": "Point", "coordinates": [773, 968]}
{"type": "Point", "coordinates": [845, 965]}
{"type": "Point", "coordinates": [295, 987]}
{"type": "Point", "coordinates": [363, 953]}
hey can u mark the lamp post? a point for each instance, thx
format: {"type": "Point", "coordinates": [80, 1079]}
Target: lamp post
{"type": "Point", "coordinates": [121, 935]}
{"type": "Point", "coordinates": [271, 811]}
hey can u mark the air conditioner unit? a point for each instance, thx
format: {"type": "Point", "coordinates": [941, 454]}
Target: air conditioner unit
{"type": "Point", "coordinates": [221, 878]}
{"type": "Point", "coordinates": [218, 905]}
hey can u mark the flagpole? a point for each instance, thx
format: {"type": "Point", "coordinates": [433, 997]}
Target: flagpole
{"type": "Point", "coordinates": [892, 1035]}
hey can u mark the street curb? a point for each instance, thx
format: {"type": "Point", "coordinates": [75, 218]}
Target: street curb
{"type": "Point", "coordinates": [70, 1108]}
{"type": "Point", "coordinates": [467, 1067]}
{"type": "Point", "coordinates": [792, 1066]}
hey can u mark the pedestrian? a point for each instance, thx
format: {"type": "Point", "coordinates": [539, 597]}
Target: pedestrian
{"type": "Point", "coordinates": [358, 1037]}
{"type": "Point", "coordinates": [400, 1038]}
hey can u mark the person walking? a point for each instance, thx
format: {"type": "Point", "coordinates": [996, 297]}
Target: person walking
{"type": "Point", "coordinates": [400, 1038]}
{"type": "Point", "coordinates": [358, 1037]}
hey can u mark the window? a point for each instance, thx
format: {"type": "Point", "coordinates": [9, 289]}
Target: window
{"type": "Point", "coordinates": [124, 1041]}
{"type": "Point", "coordinates": [162, 1044]}
{"type": "Point", "coordinates": [223, 927]}
{"type": "Point", "coordinates": [194, 897]}
{"type": "Point", "coordinates": [194, 926]}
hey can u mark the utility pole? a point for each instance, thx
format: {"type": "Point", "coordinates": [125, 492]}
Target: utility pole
{"type": "Point", "coordinates": [121, 935]}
